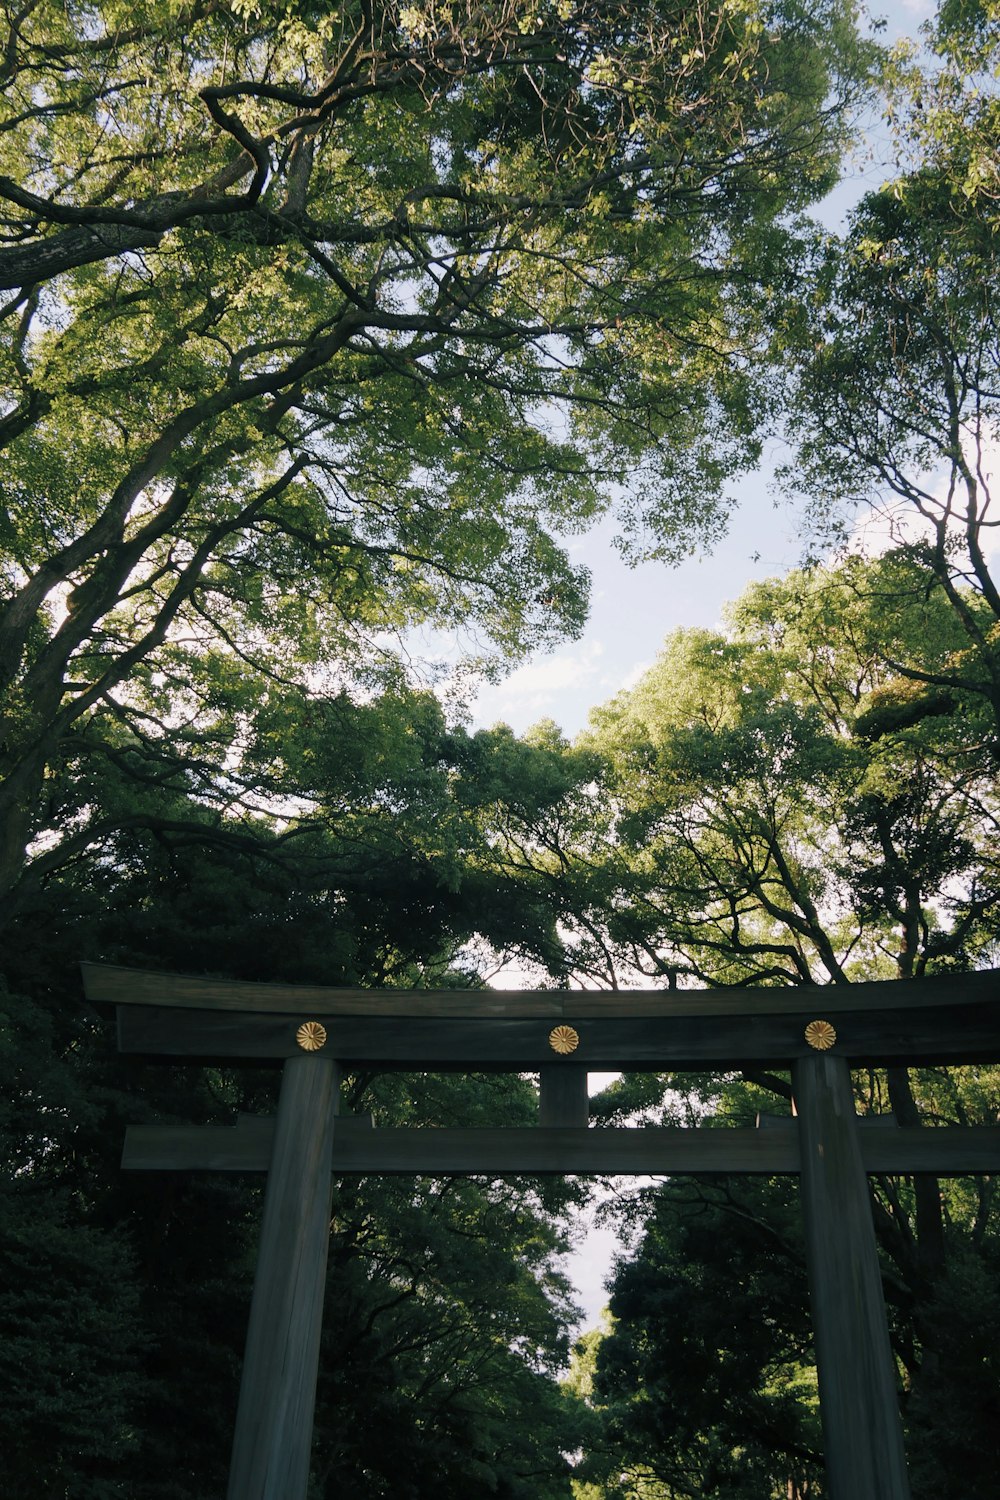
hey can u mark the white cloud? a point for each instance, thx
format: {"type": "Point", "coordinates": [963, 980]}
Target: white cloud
{"type": "Point", "coordinates": [531, 691]}
{"type": "Point", "coordinates": [634, 676]}
{"type": "Point", "coordinates": [566, 669]}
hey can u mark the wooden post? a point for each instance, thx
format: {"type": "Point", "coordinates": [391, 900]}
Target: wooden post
{"type": "Point", "coordinates": [859, 1402]}
{"type": "Point", "coordinates": [273, 1440]}
{"type": "Point", "coordinates": [562, 1095]}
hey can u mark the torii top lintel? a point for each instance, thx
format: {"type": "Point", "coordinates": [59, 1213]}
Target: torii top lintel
{"type": "Point", "coordinates": [946, 1019]}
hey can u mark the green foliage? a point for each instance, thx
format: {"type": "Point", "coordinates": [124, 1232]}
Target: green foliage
{"type": "Point", "coordinates": [69, 1362]}
{"type": "Point", "coordinates": [775, 821]}
{"type": "Point", "coordinates": [447, 1351]}
{"type": "Point", "coordinates": [781, 803]}
{"type": "Point", "coordinates": [702, 1379]}
{"type": "Point", "coordinates": [325, 327]}
{"type": "Point", "coordinates": [447, 1311]}
{"type": "Point", "coordinates": [126, 1296]}
{"type": "Point", "coordinates": [953, 1442]}
{"type": "Point", "coordinates": [893, 357]}
{"type": "Point", "coordinates": [70, 1351]}
{"type": "Point", "coordinates": [705, 1379]}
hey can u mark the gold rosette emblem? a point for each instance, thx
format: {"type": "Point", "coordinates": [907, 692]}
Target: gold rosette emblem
{"type": "Point", "coordinates": [563, 1039]}
{"type": "Point", "coordinates": [821, 1035]}
{"type": "Point", "coordinates": [311, 1036]}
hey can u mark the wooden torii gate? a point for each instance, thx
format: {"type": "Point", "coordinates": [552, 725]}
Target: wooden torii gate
{"type": "Point", "coordinates": [818, 1033]}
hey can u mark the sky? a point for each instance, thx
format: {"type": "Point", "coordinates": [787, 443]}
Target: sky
{"type": "Point", "coordinates": [633, 609]}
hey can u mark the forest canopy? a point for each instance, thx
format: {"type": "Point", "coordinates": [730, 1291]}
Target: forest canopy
{"type": "Point", "coordinates": [320, 327]}
{"type": "Point", "coordinates": [323, 325]}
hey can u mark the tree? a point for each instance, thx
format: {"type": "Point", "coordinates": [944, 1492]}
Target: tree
{"type": "Point", "coordinates": [703, 1377]}
{"type": "Point", "coordinates": [705, 1383]}
{"type": "Point", "coordinates": [126, 1295]}
{"type": "Point", "coordinates": [772, 812]}
{"type": "Point", "coordinates": [448, 1322]}
{"type": "Point", "coordinates": [782, 815]}
{"type": "Point", "coordinates": [323, 326]}
{"type": "Point", "coordinates": [894, 359]}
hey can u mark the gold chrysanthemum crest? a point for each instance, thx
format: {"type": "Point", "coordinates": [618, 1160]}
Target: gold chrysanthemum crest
{"type": "Point", "coordinates": [563, 1039]}
{"type": "Point", "coordinates": [821, 1035]}
{"type": "Point", "coordinates": [311, 1036]}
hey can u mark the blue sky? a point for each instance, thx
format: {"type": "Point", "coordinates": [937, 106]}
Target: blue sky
{"type": "Point", "coordinates": [631, 611]}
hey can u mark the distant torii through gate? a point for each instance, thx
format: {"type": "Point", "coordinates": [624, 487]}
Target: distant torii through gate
{"type": "Point", "coordinates": [562, 1035]}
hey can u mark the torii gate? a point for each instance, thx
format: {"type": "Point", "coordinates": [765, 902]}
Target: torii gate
{"type": "Point", "coordinates": [562, 1035]}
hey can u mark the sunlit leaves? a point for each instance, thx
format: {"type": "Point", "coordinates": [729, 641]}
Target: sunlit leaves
{"type": "Point", "coordinates": [329, 325]}
{"type": "Point", "coordinates": [782, 806]}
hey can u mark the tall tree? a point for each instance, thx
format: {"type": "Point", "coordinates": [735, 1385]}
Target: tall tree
{"type": "Point", "coordinates": [125, 1296]}
{"type": "Point", "coordinates": [774, 811]}
{"type": "Point", "coordinates": [895, 379]}
{"type": "Point", "coordinates": [785, 813]}
{"type": "Point", "coordinates": [324, 324]}
{"type": "Point", "coordinates": [703, 1376]}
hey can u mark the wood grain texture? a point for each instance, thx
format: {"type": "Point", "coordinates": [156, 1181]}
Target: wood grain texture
{"type": "Point", "coordinates": [859, 1403]}
{"type": "Point", "coordinates": [273, 1438]}
{"type": "Point", "coordinates": [569, 1150]}
{"type": "Point", "coordinates": [944, 1151]}
{"type": "Point", "coordinates": [935, 1034]}
{"type": "Point", "coordinates": [108, 984]}
{"type": "Point", "coordinates": [562, 1095]}
{"type": "Point", "coordinates": [244, 1147]}
{"type": "Point", "coordinates": [454, 1152]}
{"type": "Point", "coordinates": [357, 1148]}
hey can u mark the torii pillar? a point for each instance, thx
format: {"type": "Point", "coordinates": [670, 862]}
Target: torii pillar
{"type": "Point", "coordinates": [274, 1422]}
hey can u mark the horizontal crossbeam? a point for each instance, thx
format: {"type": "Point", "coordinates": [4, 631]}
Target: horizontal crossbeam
{"type": "Point", "coordinates": [106, 983]}
{"type": "Point", "coordinates": [889, 1036]}
{"type": "Point", "coordinates": [246, 1147]}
